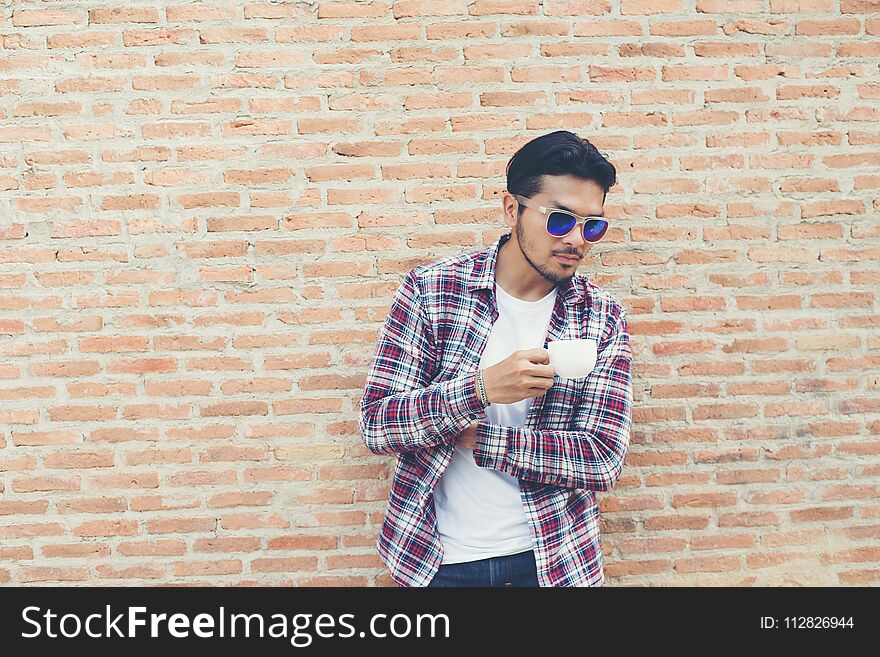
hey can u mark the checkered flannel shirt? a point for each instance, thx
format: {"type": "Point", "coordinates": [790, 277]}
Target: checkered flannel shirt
{"type": "Point", "coordinates": [420, 394]}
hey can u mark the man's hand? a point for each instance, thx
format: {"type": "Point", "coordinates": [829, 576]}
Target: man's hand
{"type": "Point", "coordinates": [525, 373]}
{"type": "Point", "coordinates": [468, 437]}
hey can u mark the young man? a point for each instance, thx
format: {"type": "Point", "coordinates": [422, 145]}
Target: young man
{"type": "Point", "coordinates": [499, 459]}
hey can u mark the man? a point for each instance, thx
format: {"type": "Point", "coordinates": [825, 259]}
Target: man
{"type": "Point", "coordinates": [498, 459]}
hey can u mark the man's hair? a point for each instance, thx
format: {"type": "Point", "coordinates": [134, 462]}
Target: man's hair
{"type": "Point", "coordinates": [556, 153]}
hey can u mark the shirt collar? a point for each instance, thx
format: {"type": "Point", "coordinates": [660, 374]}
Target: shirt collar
{"type": "Point", "coordinates": [483, 276]}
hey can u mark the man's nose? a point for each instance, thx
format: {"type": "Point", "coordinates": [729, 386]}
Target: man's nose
{"type": "Point", "coordinates": [575, 238]}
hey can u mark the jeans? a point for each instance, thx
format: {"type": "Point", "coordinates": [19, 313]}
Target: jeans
{"type": "Point", "coordinates": [510, 570]}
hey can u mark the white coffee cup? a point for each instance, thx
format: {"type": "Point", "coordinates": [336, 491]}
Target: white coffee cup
{"type": "Point", "coordinates": [572, 359]}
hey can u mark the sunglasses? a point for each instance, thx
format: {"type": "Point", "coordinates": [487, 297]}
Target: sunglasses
{"type": "Point", "coordinates": [561, 222]}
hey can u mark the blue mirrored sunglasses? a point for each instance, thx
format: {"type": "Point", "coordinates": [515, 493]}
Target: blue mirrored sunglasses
{"type": "Point", "coordinates": [561, 222]}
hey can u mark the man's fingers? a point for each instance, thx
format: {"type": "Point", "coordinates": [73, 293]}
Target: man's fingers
{"type": "Point", "coordinates": [542, 372]}
{"type": "Point", "coordinates": [538, 355]}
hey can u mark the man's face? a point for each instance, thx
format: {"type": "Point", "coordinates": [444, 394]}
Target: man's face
{"type": "Point", "coordinates": [583, 197]}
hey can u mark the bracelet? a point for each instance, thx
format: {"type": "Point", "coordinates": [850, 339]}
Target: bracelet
{"type": "Point", "coordinates": [477, 387]}
{"type": "Point", "coordinates": [481, 389]}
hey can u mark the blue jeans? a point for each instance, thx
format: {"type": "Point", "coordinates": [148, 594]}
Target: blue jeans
{"type": "Point", "coordinates": [510, 570]}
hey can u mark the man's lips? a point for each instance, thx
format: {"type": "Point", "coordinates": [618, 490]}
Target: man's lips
{"type": "Point", "coordinates": [567, 258]}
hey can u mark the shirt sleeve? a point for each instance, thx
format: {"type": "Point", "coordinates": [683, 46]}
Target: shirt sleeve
{"type": "Point", "coordinates": [592, 455]}
{"type": "Point", "coordinates": [401, 409]}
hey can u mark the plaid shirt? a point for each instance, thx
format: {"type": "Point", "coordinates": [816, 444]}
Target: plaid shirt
{"type": "Point", "coordinates": [420, 394]}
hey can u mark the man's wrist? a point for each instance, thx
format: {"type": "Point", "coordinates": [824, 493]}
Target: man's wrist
{"type": "Point", "coordinates": [461, 399]}
{"type": "Point", "coordinates": [481, 389]}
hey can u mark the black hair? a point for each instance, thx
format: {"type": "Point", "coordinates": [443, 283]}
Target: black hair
{"type": "Point", "coordinates": [556, 153]}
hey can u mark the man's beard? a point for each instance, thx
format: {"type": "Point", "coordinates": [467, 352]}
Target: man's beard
{"type": "Point", "coordinates": [526, 247]}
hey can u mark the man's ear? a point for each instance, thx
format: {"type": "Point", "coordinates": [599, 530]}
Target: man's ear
{"type": "Point", "coordinates": [509, 201]}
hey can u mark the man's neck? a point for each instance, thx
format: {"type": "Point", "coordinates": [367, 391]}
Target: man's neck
{"type": "Point", "coordinates": [516, 276]}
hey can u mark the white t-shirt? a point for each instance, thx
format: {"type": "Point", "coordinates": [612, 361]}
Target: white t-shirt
{"type": "Point", "coordinates": [479, 510]}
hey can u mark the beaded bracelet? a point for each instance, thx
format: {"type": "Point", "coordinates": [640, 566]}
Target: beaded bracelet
{"type": "Point", "coordinates": [481, 388]}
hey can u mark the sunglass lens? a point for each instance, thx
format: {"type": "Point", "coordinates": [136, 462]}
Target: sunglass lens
{"type": "Point", "coordinates": [595, 229]}
{"type": "Point", "coordinates": [560, 223]}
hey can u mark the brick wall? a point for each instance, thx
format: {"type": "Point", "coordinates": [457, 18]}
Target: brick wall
{"type": "Point", "coordinates": [206, 209]}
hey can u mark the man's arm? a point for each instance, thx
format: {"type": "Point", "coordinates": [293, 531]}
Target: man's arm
{"type": "Point", "coordinates": [590, 457]}
{"type": "Point", "coordinates": [401, 410]}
